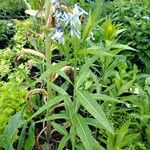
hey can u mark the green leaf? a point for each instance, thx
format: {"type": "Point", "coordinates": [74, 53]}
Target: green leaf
{"type": "Point", "coordinates": [73, 136]}
{"type": "Point", "coordinates": [94, 109]}
{"type": "Point", "coordinates": [30, 141]}
{"type": "Point", "coordinates": [123, 47]}
{"type": "Point", "coordinates": [52, 69]}
{"type": "Point", "coordinates": [106, 98]}
{"type": "Point", "coordinates": [59, 128]}
{"type": "Point", "coordinates": [84, 72]}
{"type": "Point", "coordinates": [83, 131]}
{"type": "Point", "coordinates": [69, 107]}
{"type": "Point", "coordinates": [54, 117]}
{"type": "Point", "coordinates": [129, 139]}
{"type": "Point", "coordinates": [58, 89]}
{"type": "Point", "coordinates": [125, 87]}
{"type": "Point", "coordinates": [95, 52]}
{"type": "Point", "coordinates": [21, 139]}
{"type": "Point", "coordinates": [92, 21]}
{"type": "Point", "coordinates": [49, 104]}
{"type": "Point", "coordinates": [93, 122]}
{"type": "Point", "coordinates": [97, 146]}
{"type": "Point", "coordinates": [63, 142]}
{"type": "Point", "coordinates": [11, 129]}
{"type": "Point", "coordinates": [121, 134]}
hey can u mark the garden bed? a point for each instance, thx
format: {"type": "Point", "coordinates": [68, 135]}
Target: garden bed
{"type": "Point", "coordinates": [75, 77]}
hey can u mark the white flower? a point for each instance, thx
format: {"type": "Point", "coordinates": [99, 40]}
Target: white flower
{"type": "Point", "coordinates": [65, 19]}
{"type": "Point", "coordinates": [58, 35]}
{"type": "Point", "coordinates": [75, 31]}
{"type": "Point", "coordinates": [79, 11]}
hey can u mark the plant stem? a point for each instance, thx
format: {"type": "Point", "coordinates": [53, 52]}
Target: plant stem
{"type": "Point", "coordinates": [48, 55]}
{"type": "Point", "coordinates": [49, 90]}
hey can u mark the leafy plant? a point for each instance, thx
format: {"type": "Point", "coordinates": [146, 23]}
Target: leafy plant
{"type": "Point", "coordinates": [11, 8]}
{"type": "Point", "coordinates": [6, 32]}
{"type": "Point", "coordinates": [84, 93]}
{"type": "Point", "coordinates": [135, 19]}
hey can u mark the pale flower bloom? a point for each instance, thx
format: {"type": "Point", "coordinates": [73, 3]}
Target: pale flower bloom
{"type": "Point", "coordinates": [65, 19]}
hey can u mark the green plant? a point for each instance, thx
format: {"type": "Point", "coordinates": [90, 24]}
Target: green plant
{"type": "Point", "coordinates": [5, 61]}
{"type": "Point", "coordinates": [135, 19]}
{"type": "Point", "coordinates": [76, 122]}
{"type": "Point", "coordinates": [86, 98]}
{"type": "Point", "coordinates": [6, 32]}
{"type": "Point", "coordinates": [11, 8]}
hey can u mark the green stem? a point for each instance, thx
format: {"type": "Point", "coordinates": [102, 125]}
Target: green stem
{"type": "Point", "coordinates": [75, 73]}
{"type": "Point", "coordinates": [48, 55]}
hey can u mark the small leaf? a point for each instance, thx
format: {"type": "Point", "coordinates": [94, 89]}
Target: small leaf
{"type": "Point", "coordinates": [83, 132]}
{"type": "Point", "coordinates": [125, 87]}
{"type": "Point", "coordinates": [54, 117]}
{"type": "Point", "coordinates": [11, 129]}
{"type": "Point", "coordinates": [63, 142]}
{"type": "Point", "coordinates": [121, 134]}
{"type": "Point", "coordinates": [123, 47]}
{"type": "Point", "coordinates": [52, 69]}
{"type": "Point", "coordinates": [30, 141]}
{"type": "Point", "coordinates": [92, 21]}
{"type": "Point", "coordinates": [59, 128]}
{"type": "Point", "coordinates": [106, 98]}
{"type": "Point", "coordinates": [22, 138]}
{"type": "Point", "coordinates": [129, 139]}
{"type": "Point", "coordinates": [49, 104]}
{"type": "Point", "coordinates": [84, 72]}
{"type": "Point", "coordinates": [58, 89]}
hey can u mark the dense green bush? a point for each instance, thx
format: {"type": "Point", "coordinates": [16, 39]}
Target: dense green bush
{"type": "Point", "coordinates": [6, 33]}
{"type": "Point", "coordinates": [11, 8]}
{"type": "Point", "coordinates": [11, 101]}
{"type": "Point", "coordinates": [135, 18]}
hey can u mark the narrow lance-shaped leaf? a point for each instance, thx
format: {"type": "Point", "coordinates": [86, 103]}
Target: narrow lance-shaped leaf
{"type": "Point", "coordinates": [125, 87]}
{"type": "Point", "coordinates": [49, 104]}
{"type": "Point", "coordinates": [84, 72]}
{"type": "Point", "coordinates": [83, 131]}
{"type": "Point", "coordinates": [54, 117]}
{"type": "Point", "coordinates": [15, 122]}
{"type": "Point", "coordinates": [94, 109]}
{"type": "Point", "coordinates": [22, 138]}
{"type": "Point", "coordinates": [59, 128]}
{"type": "Point", "coordinates": [63, 142]}
{"type": "Point", "coordinates": [53, 69]}
{"type": "Point", "coordinates": [58, 89]}
{"type": "Point", "coordinates": [106, 98]}
{"type": "Point", "coordinates": [30, 141]}
{"type": "Point", "coordinates": [92, 21]}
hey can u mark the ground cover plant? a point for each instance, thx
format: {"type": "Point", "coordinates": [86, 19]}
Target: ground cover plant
{"type": "Point", "coordinates": [68, 81]}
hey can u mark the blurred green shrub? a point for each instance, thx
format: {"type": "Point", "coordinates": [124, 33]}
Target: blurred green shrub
{"type": "Point", "coordinates": [135, 18]}
{"type": "Point", "coordinates": [11, 100]}
{"type": "Point", "coordinates": [12, 7]}
{"type": "Point", "coordinates": [6, 33]}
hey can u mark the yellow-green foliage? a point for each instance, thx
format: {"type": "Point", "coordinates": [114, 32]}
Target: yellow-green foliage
{"type": "Point", "coordinates": [5, 61]}
{"type": "Point", "coordinates": [12, 97]}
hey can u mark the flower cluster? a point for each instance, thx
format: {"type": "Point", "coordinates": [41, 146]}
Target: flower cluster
{"type": "Point", "coordinates": [67, 18]}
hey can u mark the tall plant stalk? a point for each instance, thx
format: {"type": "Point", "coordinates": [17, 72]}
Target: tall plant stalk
{"type": "Point", "coordinates": [48, 55]}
